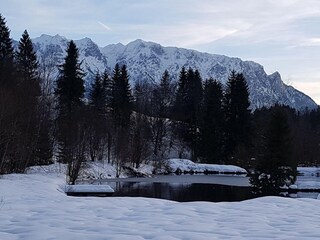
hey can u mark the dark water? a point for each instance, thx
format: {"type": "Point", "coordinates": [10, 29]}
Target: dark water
{"type": "Point", "coordinates": [186, 188]}
{"type": "Point", "coordinates": [182, 192]}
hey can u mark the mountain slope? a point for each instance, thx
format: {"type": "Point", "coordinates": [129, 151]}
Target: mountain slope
{"type": "Point", "coordinates": [146, 61]}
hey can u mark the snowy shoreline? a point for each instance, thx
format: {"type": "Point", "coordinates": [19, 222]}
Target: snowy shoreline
{"type": "Point", "coordinates": [104, 172]}
{"type": "Point", "coordinates": [187, 166]}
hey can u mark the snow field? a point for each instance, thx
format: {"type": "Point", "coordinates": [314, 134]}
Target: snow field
{"type": "Point", "coordinates": [34, 207]}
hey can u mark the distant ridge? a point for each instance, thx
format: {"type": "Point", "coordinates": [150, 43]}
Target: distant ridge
{"type": "Point", "coordinates": [146, 59]}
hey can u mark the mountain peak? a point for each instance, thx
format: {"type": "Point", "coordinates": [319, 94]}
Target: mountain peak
{"type": "Point", "coordinates": [46, 39]}
{"type": "Point", "coordinates": [138, 43]}
{"type": "Point", "coordinates": [85, 42]}
{"type": "Point", "coordinates": [86, 39]}
{"type": "Point", "coordinates": [276, 74]}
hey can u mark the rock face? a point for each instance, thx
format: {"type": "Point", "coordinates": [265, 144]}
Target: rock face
{"type": "Point", "coordinates": [146, 61]}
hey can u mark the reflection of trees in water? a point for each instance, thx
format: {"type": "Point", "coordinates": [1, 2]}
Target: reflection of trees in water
{"type": "Point", "coordinates": [183, 192]}
{"type": "Point", "coordinates": [213, 193]}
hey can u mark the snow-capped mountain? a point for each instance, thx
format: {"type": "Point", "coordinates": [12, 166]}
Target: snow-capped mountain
{"type": "Point", "coordinates": [52, 49]}
{"type": "Point", "coordinates": [146, 61]}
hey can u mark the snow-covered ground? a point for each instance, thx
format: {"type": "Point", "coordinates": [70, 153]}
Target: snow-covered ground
{"type": "Point", "coordinates": [35, 207]}
{"type": "Point", "coordinates": [91, 170]}
{"type": "Point", "coordinates": [188, 165]}
{"type": "Point", "coordinates": [309, 178]}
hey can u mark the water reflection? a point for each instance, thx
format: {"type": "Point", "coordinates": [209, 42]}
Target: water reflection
{"type": "Point", "coordinates": [182, 192]}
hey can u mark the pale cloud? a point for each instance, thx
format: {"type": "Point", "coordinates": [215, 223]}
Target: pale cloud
{"type": "Point", "coordinates": [186, 35]}
{"type": "Point", "coordinates": [104, 26]}
{"type": "Point", "coordinates": [311, 42]}
{"type": "Point", "coordinates": [309, 88]}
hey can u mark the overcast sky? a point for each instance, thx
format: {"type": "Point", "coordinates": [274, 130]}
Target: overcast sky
{"type": "Point", "coordinates": [282, 35]}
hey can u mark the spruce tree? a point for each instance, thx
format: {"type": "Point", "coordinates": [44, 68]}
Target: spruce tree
{"type": "Point", "coordinates": [97, 96]}
{"type": "Point", "coordinates": [71, 127]}
{"type": "Point", "coordinates": [70, 84]}
{"type": "Point", "coordinates": [244, 114]}
{"type": "Point", "coordinates": [121, 96]}
{"type": "Point", "coordinates": [187, 109]}
{"type": "Point", "coordinates": [26, 59]}
{"type": "Point", "coordinates": [165, 92]}
{"type": "Point", "coordinates": [6, 54]}
{"type": "Point", "coordinates": [162, 100]}
{"type": "Point", "coordinates": [100, 126]}
{"type": "Point", "coordinates": [37, 133]}
{"type": "Point", "coordinates": [121, 104]}
{"type": "Point", "coordinates": [237, 114]}
{"type": "Point", "coordinates": [212, 122]}
{"type": "Point", "coordinates": [276, 165]}
{"type": "Point", "coordinates": [193, 111]}
{"type": "Point", "coordinates": [9, 103]}
{"type": "Point", "coordinates": [107, 88]}
{"type": "Point", "coordinates": [44, 146]}
{"type": "Point", "coordinates": [27, 68]}
{"type": "Point", "coordinates": [179, 105]}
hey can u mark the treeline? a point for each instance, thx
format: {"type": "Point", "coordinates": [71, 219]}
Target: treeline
{"type": "Point", "coordinates": [44, 119]}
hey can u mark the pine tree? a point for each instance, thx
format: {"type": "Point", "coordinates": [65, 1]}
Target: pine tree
{"type": "Point", "coordinates": [179, 105]}
{"type": "Point", "coordinates": [27, 68]}
{"type": "Point", "coordinates": [26, 59]}
{"type": "Point", "coordinates": [212, 122]}
{"type": "Point", "coordinates": [162, 99]}
{"type": "Point", "coordinates": [9, 103]}
{"type": "Point", "coordinates": [99, 121]}
{"type": "Point", "coordinates": [276, 167]}
{"type": "Point", "coordinates": [166, 93]}
{"type": "Point", "coordinates": [6, 54]}
{"type": "Point", "coordinates": [193, 101]}
{"type": "Point", "coordinates": [71, 126]}
{"type": "Point", "coordinates": [44, 146]}
{"type": "Point", "coordinates": [191, 97]}
{"type": "Point", "coordinates": [121, 104]}
{"type": "Point", "coordinates": [187, 108]}
{"type": "Point", "coordinates": [96, 120]}
{"type": "Point", "coordinates": [70, 84]}
{"type": "Point", "coordinates": [140, 139]}
{"type": "Point", "coordinates": [121, 96]}
{"type": "Point", "coordinates": [244, 115]}
{"type": "Point", "coordinates": [126, 91]}
{"type": "Point", "coordinates": [237, 114]}
{"type": "Point", "coordinates": [107, 88]}
{"type": "Point", "coordinates": [36, 124]}
{"type": "Point", "coordinates": [97, 96]}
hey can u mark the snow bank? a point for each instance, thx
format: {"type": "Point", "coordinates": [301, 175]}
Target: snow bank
{"type": "Point", "coordinates": [300, 184]}
{"type": "Point", "coordinates": [309, 178]}
{"type": "Point", "coordinates": [185, 165]}
{"type": "Point", "coordinates": [45, 169]}
{"type": "Point", "coordinates": [89, 188]}
{"type": "Point", "coordinates": [90, 170]}
{"type": "Point", "coordinates": [35, 208]}
{"type": "Point", "coordinates": [99, 170]}
{"type": "Point", "coordinates": [309, 170]}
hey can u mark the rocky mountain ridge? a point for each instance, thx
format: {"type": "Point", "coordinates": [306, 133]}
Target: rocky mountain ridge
{"type": "Point", "coordinates": [146, 61]}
